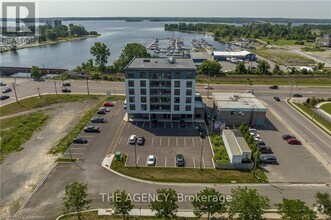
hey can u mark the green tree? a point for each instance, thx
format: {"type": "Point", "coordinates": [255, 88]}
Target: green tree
{"type": "Point", "coordinates": [130, 51]}
{"type": "Point", "coordinates": [51, 34]}
{"type": "Point", "coordinates": [323, 203]}
{"type": "Point", "coordinates": [247, 204]}
{"type": "Point", "coordinates": [101, 53]}
{"type": "Point", "coordinates": [263, 67]}
{"type": "Point", "coordinates": [210, 67]}
{"type": "Point", "coordinates": [35, 72]}
{"type": "Point", "coordinates": [122, 204]}
{"type": "Point", "coordinates": [208, 201]}
{"type": "Point", "coordinates": [166, 203]}
{"type": "Point", "coordinates": [74, 199]}
{"type": "Point", "coordinates": [320, 66]}
{"type": "Point", "coordinates": [277, 70]}
{"type": "Point", "coordinates": [240, 68]}
{"type": "Point", "coordinates": [295, 209]}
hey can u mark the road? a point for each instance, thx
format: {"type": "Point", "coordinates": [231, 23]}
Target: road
{"type": "Point", "coordinates": [47, 200]}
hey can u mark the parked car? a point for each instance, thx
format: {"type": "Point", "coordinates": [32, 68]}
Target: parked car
{"type": "Point", "coordinates": [132, 139]}
{"type": "Point", "coordinates": [180, 161]}
{"type": "Point", "coordinates": [104, 109]}
{"type": "Point", "coordinates": [252, 130]}
{"type": "Point", "coordinates": [273, 87]}
{"type": "Point", "coordinates": [101, 112]}
{"type": "Point", "coordinates": [98, 120]}
{"type": "Point", "coordinates": [277, 98]}
{"type": "Point", "coordinates": [202, 135]}
{"type": "Point", "coordinates": [257, 139]}
{"type": "Point", "coordinates": [66, 90]}
{"type": "Point", "coordinates": [297, 95]}
{"type": "Point", "coordinates": [2, 84]}
{"type": "Point", "coordinates": [287, 136]}
{"type": "Point", "coordinates": [293, 141]}
{"type": "Point", "coordinates": [261, 143]}
{"type": "Point", "coordinates": [265, 149]}
{"type": "Point", "coordinates": [108, 104]}
{"type": "Point", "coordinates": [268, 159]}
{"type": "Point", "coordinates": [80, 140]}
{"type": "Point", "coordinates": [4, 97]}
{"type": "Point", "coordinates": [141, 140]}
{"type": "Point", "coordinates": [182, 123]}
{"type": "Point", "coordinates": [151, 160]}
{"type": "Point", "coordinates": [6, 90]}
{"type": "Point", "coordinates": [66, 84]}
{"type": "Point", "coordinates": [154, 123]}
{"type": "Point", "coordinates": [92, 129]}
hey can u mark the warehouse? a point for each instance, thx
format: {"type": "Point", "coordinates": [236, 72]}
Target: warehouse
{"type": "Point", "coordinates": [239, 55]}
{"type": "Point", "coordinates": [233, 109]}
{"type": "Point", "coordinates": [199, 57]}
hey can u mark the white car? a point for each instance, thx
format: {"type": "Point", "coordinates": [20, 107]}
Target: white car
{"type": "Point", "coordinates": [151, 160]}
{"type": "Point", "coordinates": [208, 87]}
{"type": "Point", "coordinates": [104, 109]}
{"type": "Point", "coordinates": [132, 139]}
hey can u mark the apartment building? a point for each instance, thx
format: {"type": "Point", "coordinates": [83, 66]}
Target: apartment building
{"type": "Point", "coordinates": [161, 89]}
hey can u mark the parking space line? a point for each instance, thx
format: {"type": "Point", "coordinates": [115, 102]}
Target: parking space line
{"type": "Point", "coordinates": [168, 141]}
{"type": "Point", "coordinates": [176, 141]}
{"type": "Point", "coordinates": [165, 162]}
{"type": "Point", "coordinates": [72, 153]}
{"type": "Point", "coordinates": [193, 162]}
{"type": "Point", "coordinates": [137, 160]}
{"type": "Point", "coordinates": [193, 141]}
{"type": "Point", "coordinates": [185, 141]}
{"type": "Point", "coordinates": [78, 148]}
{"type": "Point", "coordinates": [86, 136]}
{"type": "Point", "coordinates": [129, 124]}
{"type": "Point", "coordinates": [160, 141]}
{"type": "Point", "coordinates": [79, 144]}
{"type": "Point", "coordinates": [120, 140]}
{"type": "Point", "coordinates": [152, 141]}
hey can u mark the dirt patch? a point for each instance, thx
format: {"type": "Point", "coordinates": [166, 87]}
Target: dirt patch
{"type": "Point", "coordinates": [22, 171]}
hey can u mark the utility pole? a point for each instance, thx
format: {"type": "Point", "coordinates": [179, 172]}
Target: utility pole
{"type": "Point", "coordinates": [135, 154]}
{"type": "Point", "coordinates": [14, 87]}
{"type": "Point", "coordinates": [39, 92]}
{"type": "Point", "coordinates": [208, 84]}
{"type": "Point", "coordinates": [289, 98]}
{"type": "Point", "coordinates": [88, 89]}
{"type": "Point", "coordinates": [55, 87]}
{"type": "Point", "coordinates": [201, 154]}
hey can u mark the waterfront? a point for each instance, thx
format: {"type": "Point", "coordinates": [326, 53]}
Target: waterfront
{"type": "Point", "coordinates": [115, 34]}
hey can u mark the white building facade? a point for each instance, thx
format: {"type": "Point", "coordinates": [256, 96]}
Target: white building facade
{"type": "Point", "coordinates": [160, 89]}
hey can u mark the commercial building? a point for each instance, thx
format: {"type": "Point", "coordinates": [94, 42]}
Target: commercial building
{"type": "Point", "coordinates": [236, 147]}
{"type": "Point", "coordinates": [161, 89]}
{"type": "Point", "coordinates": [240, 55]}
{"type": "Point", "coordinates": [324, 41]}
{"type": "Point", "coordinates": [199, 57]}
{"type": "Point", "coordinates": [236, 108]}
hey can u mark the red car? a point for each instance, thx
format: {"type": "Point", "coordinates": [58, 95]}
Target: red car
{"type": "Point", "coordinates": [293, 141]}
{"type": "Point", "coordinates": [108, 104]}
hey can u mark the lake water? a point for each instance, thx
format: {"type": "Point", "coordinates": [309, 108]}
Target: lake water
{"type": "Point", "coordinates": [115, 34]}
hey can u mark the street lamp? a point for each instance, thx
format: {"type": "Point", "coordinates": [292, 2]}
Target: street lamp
{"type": "Point", "coordinates": [201, 146]}
{"type": "Point", "coordinates": [38, 89]}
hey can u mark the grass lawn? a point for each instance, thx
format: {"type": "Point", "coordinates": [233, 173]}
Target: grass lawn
{"type": "Point", "coordinates": [187, 175]}
{"type": "Point", "coordinates": [316, 117]}
{"type": "Point", "coordinates": [284, 42]}
{"type": "Point", "coordinates": [16, 131]}
{"type": "Point", "coordinates": [326, 107]}
{"type": "Point", "coordinates": [46, 100]}
{"type": "Point", "coordinates": [65, 142]}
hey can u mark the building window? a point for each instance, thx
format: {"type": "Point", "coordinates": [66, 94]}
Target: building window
{"type": "Point", "coordinates": [177, 83]}
{"type": "Point", "coordinates": [142, 75]}
{"type": "Point", "coordinates": [131, 83]}
{"type": "Point", "coordinates": [188, 100]}
{"type": "Point", "coordinates": [142, 83]}
{"type": "Point", "coordinates": [177, 100]}
{"type": "Point", "coordinates": [233, 113]}
{"type": "Point", "coordinates": [143, 91]}
{"type": "Point", "coordinates": [189, 84]}
{"type": "Point", "coordinates": [132, 107]}
{"type": "Point", "coordinates": [189, 76]}
{"type": "Point", "coordinates": [143, 99]}
{"type": "Point", "coordinates": [188, 108]}
{"type": "Point", "coordinates": [131, 91]}
{"type": "Point", "coordinates": [176, 107]}
{"type": "Point", "coordinates": [177, 91]}
{"type": "Point", "coordinates": [130, 75]}
{"type": "Point", "coordinates": [188, 91]}
{"type": "Point", "coordinates": [143, 107]}
{"type": "Point", "coordinates": [131, 99]}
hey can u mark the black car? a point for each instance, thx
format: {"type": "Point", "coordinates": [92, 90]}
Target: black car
{"type": "Point", "coordinates": [66, 90]}
{"type": "Point", "coordinates": [66, 84]}
{"type": "Point", "coordinates": [273, 87]}
{"type": "Point", "coordinates": [265, 149]}
{"type": "Point", "coordinates": [2, 84]}
{"type": "Point", "coordinates": [92, 129]}
{"type": "Point", "coordinates": [287, 136]}
{"type": "Point", "coordinates": [3, 97]}
{"type": "Point", "coordinates": [98, 120]}
{"type": "Point", "coordinates": [277, 98]}
{"type": "Point", "coordinates": [182, 123]}
{"type": "Point", "coordinates": [101, 112]}
{"type": "Point", "coordinates": [6, 90]}
{"type": "Point", "coordinates": [202, 135]}
{"type": "Point", "coordinates": [154, 123]}
{"type": "Point", "coordinates": [260, 143]}
{"type": "Point", "coordinates": [141, 140]}
{"type": "Point", "coordinates": [80, 140]}
{"type": "Point", "coordinates": [180, 161]}
{"type": "Point", "coordinates": [297, 95]}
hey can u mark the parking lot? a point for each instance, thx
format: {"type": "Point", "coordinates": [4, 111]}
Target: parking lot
{"type": "Point", "coordinates": [165, 141]}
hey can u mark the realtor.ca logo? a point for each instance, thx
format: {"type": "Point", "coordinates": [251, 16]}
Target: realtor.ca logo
{"type": "Point", "coordinates": [18, 18]}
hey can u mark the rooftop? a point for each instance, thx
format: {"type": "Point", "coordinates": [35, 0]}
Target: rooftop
{"type": "Point", "coordinates": [237, 102]}
{"type": "Point", "coordinates": [161, 63]}
{"type": "Point", "coordinates": [233, 144]}
{"type": "Point", "coordinates": [231, 53]}
{"type": "Point", "coordinates": [200, 55]}
{"type": "Point", "coordinates": [241, 141]}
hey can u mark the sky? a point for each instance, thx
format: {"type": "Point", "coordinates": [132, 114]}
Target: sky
{"type": "Point", "coordinates": [183, 8]}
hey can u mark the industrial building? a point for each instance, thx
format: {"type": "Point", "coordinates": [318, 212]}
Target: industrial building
{"type": "Point", "coordinates": [236, 147]}
{"type": "Point", "coordinates": [324, 41]}
{"type": "Point", "coordinates": [199, 57]}
{"type": "Point", "coordinates": [161, 89]}
{"type": "Point", "coordinates": [239, 55]}
{"type": "Point", "coordinates": [234, 109]}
